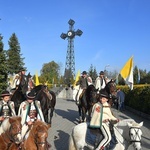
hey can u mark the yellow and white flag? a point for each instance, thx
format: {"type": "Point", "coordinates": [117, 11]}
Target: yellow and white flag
{"type": "Point", "coordinates": [77, 77]}
{"type": "Point", "coordinates": [127, 73]}
{"type": "Point", "coordinates": [36, 79]}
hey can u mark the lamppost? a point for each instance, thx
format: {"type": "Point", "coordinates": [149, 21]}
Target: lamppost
{"type": "Point", "coordinates": [105, 71]}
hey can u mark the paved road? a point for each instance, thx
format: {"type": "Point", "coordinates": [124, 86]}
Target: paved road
{"type": "Point", "coordinates": [66, 116]}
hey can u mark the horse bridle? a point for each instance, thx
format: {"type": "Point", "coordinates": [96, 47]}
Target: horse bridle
{"type": "Point", "coordinates": [12, 137]}
{"type": "Point", "coordinates": [136, 135]}
{"type": "Point", "coordinates": [44, 143]}
{"type": "Point", "coordinates": [130, 134]}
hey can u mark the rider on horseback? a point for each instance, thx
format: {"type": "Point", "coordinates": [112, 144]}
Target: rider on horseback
{"type": "Point", "coordinates": [6, 106]}
{"type": "Point", "coordinates": [101, 115]}
{"type": "Point", "coordinates": [30, 111]}
{"type": "Point", "coordinates": [83, 82]}
{"type": "Point", "coordinates": [100, 81]}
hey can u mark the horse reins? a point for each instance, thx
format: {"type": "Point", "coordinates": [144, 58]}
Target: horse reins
{"type": "Point", "coordinates": [129, 135]}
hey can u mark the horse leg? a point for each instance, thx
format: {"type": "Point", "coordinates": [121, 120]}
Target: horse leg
{"type": "Point", "coordinates": [51, 115]}
{"type": "Point", "coordinates": [45, 113]}
{"type": "Point", "coordinates": [89, 113]}
{"type": "Point", "coordinates": [80, 117]}
{"type": "Point", "coordinates": [84, 110]}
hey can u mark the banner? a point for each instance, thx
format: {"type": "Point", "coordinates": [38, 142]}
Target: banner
{"type": "Point", "coordinates": [77, 78]}
{"type": "Point", "coordinates": [138, 80]}
{"type": "Point", "coordinates": [127, 73]}
{"type": "Point", "coordinates": [36, 79]}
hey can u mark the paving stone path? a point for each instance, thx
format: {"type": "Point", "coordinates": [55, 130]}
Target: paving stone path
{"type": "Point", "coordinates": [66, 116]}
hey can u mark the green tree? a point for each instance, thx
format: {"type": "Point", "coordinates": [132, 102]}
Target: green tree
{"type": "Point", "coordinates": [14, 55]}
{"type": "Point", "coordinates": [50, 72]}
{"type": "Point", "coordinates": [92, 73]}
{"type": "Point", "coordinates": [3, 67]}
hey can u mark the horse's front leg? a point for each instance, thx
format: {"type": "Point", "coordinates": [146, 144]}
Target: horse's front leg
{"type": "Point", "coordinates": [45, 113]}
{"type": "Point", "coordinates": [80, 113]}
{"type": "Point", "coordinates": [84, 111]}
{"type": "Point", "coordinates": [51, 115]}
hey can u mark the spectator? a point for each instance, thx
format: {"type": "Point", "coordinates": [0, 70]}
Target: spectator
{"type": "Point", "coordinates": [121, 98]}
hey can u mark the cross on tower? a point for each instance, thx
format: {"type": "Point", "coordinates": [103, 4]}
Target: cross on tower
{"type": "Point", "coordinates": [70, 58]}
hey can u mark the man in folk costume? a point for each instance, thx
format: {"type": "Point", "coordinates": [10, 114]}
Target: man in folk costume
{"type": "Point", "coordinates": [6, 106]}
{"type": "Point", "coordinates": [100, 81]}
{"type": "Point", "coordinates": [30, 111]}
{"type": "Point", "coordinates": [83, 83]}
{"type": "Point", "coordinates": [101, 115]}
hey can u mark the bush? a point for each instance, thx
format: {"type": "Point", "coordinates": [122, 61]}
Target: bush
{"type": "Point", "coordinates": [138, 98]}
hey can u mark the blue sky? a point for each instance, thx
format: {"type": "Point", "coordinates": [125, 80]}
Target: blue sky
{"type": "Point", "coordinates": [113, 31]}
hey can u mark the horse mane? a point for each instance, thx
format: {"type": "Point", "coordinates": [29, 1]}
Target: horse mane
{"type": "Point", "coordinates": [38, 126]}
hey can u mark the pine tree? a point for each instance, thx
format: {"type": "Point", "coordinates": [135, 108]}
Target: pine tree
{"type": "Point", "coordinates": [3, 67]}
{"type": "Point", "coordinates": [14, 60]}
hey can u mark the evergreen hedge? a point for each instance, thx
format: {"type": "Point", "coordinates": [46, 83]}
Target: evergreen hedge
{"type": "Point", "coordinates": [138, 98]}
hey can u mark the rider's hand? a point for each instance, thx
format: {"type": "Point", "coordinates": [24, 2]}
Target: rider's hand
{"type": "Point", "coordinates": [118, 120]}
{"type": "Point", "coordinates": [106, 120]}
{"type": "Point", "coordinates": [29, 122]}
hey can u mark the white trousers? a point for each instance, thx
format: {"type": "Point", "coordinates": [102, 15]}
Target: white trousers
{"type": "Point", "coordinates": [78, 94]}
{"type": "Point", "coordinates": [24, 130]}
{"type": "Point", "coordinates": [107, 136]}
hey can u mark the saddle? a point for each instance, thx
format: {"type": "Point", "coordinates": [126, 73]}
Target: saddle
{"type": "Point", "coordinates": [93, 136]}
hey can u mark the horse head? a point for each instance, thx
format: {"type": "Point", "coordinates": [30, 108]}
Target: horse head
{"type": "Point", "coordinates": [39, 132]}
{"type": "Point", "coordinates": [11, 127]}
{"type": "Point", "coordinates": [91, 94]}
{"type": "Point", "coordinates": [135, 134]}
{"type": "Point", "coordinates": [111, 90]}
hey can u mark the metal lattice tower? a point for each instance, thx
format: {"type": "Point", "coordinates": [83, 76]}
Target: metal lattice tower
{"type": "Point", "coordinates": [70, 58]}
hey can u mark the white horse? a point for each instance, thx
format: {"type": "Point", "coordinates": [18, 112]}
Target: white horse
{"type": "Point", "coordinates": [127, 131]}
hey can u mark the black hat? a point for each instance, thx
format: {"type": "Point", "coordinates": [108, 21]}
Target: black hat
{"type": "Point", "coordinates": [22, 69]}
{"type": "Point", "coordinates": [5, 93]}
{"type": "Point", "coordinates": [103, 93]}
{"type": "Point", "coordinates": [30, 95]}
{"type": "Point", "coordinates": [101, 73]}
{"type": "Point", "coordinates": [84, 72]}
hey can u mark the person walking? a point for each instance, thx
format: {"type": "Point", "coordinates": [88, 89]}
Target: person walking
{"type": "Point", "coordinates": [6, 106]}
{"type": "Point", "coordinates": [100, 117]}
{"type": "Point", "coordinates": [100, 81]}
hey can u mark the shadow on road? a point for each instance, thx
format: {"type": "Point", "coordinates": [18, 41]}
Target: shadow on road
{"type": "Point", "coordinates": [68, 114]}
{"type": "Point", "coordinates": [62, 138]}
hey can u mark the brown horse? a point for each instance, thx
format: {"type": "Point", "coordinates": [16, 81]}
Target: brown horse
{"type": "Point", "coordinates": [10, 133]}
{"type": "Point", "coordinates": [37, 137]}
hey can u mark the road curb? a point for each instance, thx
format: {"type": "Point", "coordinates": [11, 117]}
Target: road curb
{"type": "Point", "coordinates": [139, 113]}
